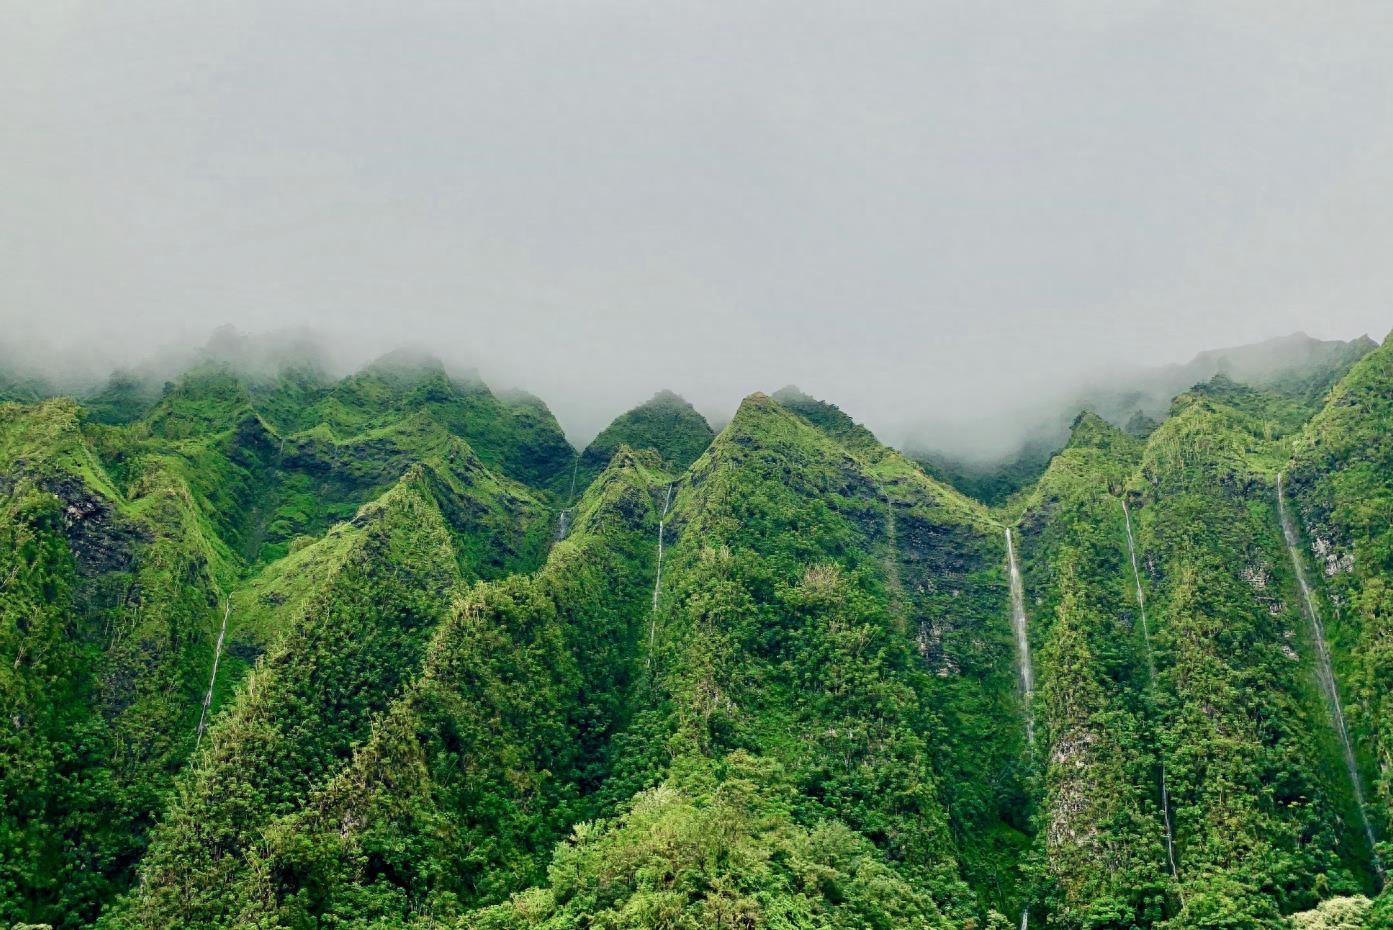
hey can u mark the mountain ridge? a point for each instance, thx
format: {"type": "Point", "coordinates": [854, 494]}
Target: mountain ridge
{"type": "Point", "coordinates": [294, 652]}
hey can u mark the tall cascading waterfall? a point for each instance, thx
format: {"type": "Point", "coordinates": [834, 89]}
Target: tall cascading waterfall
{"type": "Point", "coordinates": [575, 470]}
{"type": "Point", "coordinates": [1151, 684]}
{"type": "Point", "coordinates": [1027, 671]}
{"type": "Point", "coordinates": [658, 576]}
{"type": "Point", "coordinates": [563, 518]}
{"type": "Point", "coordinates": [1325, 673]}
{"type": "Point", "coordinates": [213, 677]}
{"type": "Point", "coordinates": [1018, 623]}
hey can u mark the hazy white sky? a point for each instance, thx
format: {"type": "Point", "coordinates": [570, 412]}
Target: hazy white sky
{"type": "Point", "coordinates": [919, 210]}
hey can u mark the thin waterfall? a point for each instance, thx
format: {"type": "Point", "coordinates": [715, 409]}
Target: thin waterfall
{"type": "Point", "coordinates": [1325, 672]}
{"type": "Point", "coordinates": [571, 495]}
{"type": "Point", "coordinates": [213, 677]}
{"type": "Point", "coordinates": [1027, 671]}
{"type": "Point", "coordinates": [1018, 623]}
{"type": "Point", "coordinates": [658, 576]}
{"type": "Point", "coordinates": [1151, 685]}
{"type": "Point", "coordinates": [564, 517]}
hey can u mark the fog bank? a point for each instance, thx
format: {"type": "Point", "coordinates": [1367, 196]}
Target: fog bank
{"type": "Point", "coordinates": [937, 215]}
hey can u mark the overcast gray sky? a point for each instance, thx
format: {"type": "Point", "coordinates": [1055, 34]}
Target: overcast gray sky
{"type": "Point", "coordinates": [919, 210]}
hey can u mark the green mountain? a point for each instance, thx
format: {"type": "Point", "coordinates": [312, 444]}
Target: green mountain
{"type": "Point", "coordinates": [283, 650]}
{"type": "Point", "coordinates": [665, 423]}
{"type": "Point", "coordinates": [143, 549]}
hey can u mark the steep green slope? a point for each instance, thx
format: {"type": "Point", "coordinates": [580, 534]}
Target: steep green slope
{"type": "Point", "coordinates": [996, 483]}
{"type": "Point", "coordinates": [131, 583]}
{"type": "Point", "coordinates": [1254, 772]}
{"type": "Point", "coordinates": [356, 641]}
{"type": "Point", "coordinates": [395, 753]}
{"type": "Point", "coordinates": [283, 397]}
{"type": "Point", "coordinates": [518, 438]}
{"type": "Point", "coordinates": [496, 528]}
{"type": "Point", "coordinates": [944, 572]}
{"type": "Point", "coordinates": [1102, 831]}
{"type": "Point", "coordinates": [264, 490]}
{"type": "Point", "coordinates": [158, 523]}
{"type": "Point", "coordinates": [538, 449]}
{"type": "Point", "coordinates": [665, 423]}
{"type": "Point", "coordinates": [306, 452]}
{"type": "Point", "coordinates": [786, 629]}
{"type": "Point", "coordinates": [1294, 366]}
{"type": "Point", "coordinates": [283, 651]}
{"type": "Point", "coordinates": [1192, 682]}
{"type": "Point", "coordinates": [1341, 479]}
{"type": "Point", "coordinates": [539, 702]}
{"type": "Point", "coordinates": [492, 752]}
{"type": "Point", "coordinates": [829, 419]}
{"type": "Point", "coordinates": [1102, 841]}
{"type": "Point", "coordinates": [1290, 375]}
{"type": "Point", "coordinates": [40, 689]}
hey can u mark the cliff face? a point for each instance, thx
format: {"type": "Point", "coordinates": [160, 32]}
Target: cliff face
{"type": "Point", "coordinates": [385, 651]}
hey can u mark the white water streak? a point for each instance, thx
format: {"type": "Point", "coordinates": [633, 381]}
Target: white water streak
{"type": "Point", "coordinates": [658, 577]}
{"type": "Point", "coordinates": [563, 518]}
{"type": "Point", "coordinates": [1018, 623]}
{"type": "Point", "coordinates": [575, 469]}
{"type": "Point", "coordinates": [213, 677]}
{"type": "Point", "coordinates": [1325, 671]}
{"type": "Point", "coordinates": [1151, 684]}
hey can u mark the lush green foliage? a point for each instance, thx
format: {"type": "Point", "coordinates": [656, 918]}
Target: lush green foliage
{"type": "Point", "coordinates": [1342, 481]}
{"type": "Point", "coordinates": [289, 652]}
{"type": "Point", "coordinates": [1101, 853]}
{"type": "Point", "coordinates": [717, 846]}
{"type": "Point", "coordinates": [665, 423]}
{"type": "Point", "coordinates": [1255, 770]}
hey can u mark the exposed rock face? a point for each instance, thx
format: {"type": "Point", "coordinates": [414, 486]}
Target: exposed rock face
{"type": "Point", "coordinates": [101, 540]}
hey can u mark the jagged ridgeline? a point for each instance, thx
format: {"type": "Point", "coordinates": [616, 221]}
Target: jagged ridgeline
{"type": "Point", "coordinates": [1192, 764]}
{"type": "Point", "coordinates": [280, 650]}
{"type": "Point", "coordinates": [148, 565]}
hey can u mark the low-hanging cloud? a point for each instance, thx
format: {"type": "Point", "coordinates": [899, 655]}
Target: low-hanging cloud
{"type": "Point", "coordinates": [929, 213]}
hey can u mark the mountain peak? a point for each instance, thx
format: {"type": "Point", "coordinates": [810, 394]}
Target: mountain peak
{"type": "Point", "coordinates": [1090, 431]}
{"type": "Point", "coordinates": [754, 407]}
{"type": "Point", "coordinates": [665, 423]}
